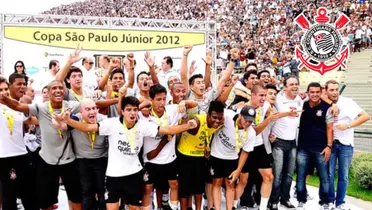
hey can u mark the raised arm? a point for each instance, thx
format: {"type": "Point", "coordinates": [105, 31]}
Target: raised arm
{"type": "Point", "coordinates": [130, 58]}
{"type": "Point", "coordinates": [151, 63]}
{"type": "Point", "coordinates": [229, 69]}
{"type": "Point", "coordinates": [14, 104]}
{"type": "Point", "coordinates": [208, 64]}
{"type": "Point", "coordinates": [184, 70]}
{"type": "Point", "coordinates": [103, 81]}
{"type": "Point", "coordinates": [224, 95]}
{"type": "Point", "coordinates": [72, 58]}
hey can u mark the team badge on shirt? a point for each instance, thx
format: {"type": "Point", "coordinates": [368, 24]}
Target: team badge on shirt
{"type": "Point", "coordinates": [319, 113]}
{"type": "Point", "coordinates": [212, 171]}
{"type": "Point", "coordinates": [13, 174]}
{"type": "Point", "coordinates": [146, 177]}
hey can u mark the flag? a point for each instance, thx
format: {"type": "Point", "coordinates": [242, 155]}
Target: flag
{"type": "Point", "coordinates": [323, 42]}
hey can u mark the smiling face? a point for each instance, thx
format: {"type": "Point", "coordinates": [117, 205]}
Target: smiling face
{"type": "Point", "coordinates": [56, 91]}
{"type": "Point", "coordinates": [117, 81]}
{"type": "Point", "coordinates": [251, 81]}
{"type": "Point", "coordinates": [271, 96]}
{"type": "Point", "coordinates": [178, 92]}
{"type": "Point", "coordinates": [18, 87]}
{"type": "Point", "coordinates": [291, 87]}
{"type": "Point", "coordinates": [314, 94]}
{"type": "Point", "coordinates": [259, 98]}
{"type": "Point", "coordinates": [88, 111]}
{"type": "Point", "coordinates": [215, 119]}
{"type": "Point", "coordinates": [4, 89]}
{"type": "Point", "coordinates": [264, 78]}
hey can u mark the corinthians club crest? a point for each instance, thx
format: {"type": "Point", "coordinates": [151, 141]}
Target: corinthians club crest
{"type": "Point", "coordinates": [322, 43]}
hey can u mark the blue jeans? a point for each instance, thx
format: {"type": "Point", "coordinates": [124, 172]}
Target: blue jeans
{"type": "Point", "coordinates": [303, 158]}
{"type": "Point", "coordinates": [343, 154]}
{"type": "Point", "coordinates": [284, 154]}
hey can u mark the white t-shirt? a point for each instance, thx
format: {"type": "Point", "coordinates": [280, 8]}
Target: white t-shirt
{"type": "Point", "coordinates": [89, 81]}
{"type": "Point", "coordinates": [286, 127]}
{"type": "Point", "coordinates": [262, 110]}
{"type": "Point", "coordinates": [122, 157]}
{"type": "Point", "coordinates": [349, 110]}
{"type": "Point", "coordinates": [358, 34]}
{"type": "Point", "coordinates": [224, 140]}
{"type": "Point", "coordinates": [11, 145]}
{"type": "Point", "coordinates": [168, 153]}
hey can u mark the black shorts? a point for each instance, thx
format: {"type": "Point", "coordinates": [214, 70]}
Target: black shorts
{"type": "Point", "coordinates": [191, 180]}
{"type": "Point", "coordinates": [222, 168]}
{"type": "Point", "coordinates": [258, 159]}
{"type": "Point", "coordinates": [159, 174]}
{"type": "Point", "coordinates": [127, 187]}
{"type": "Point", "coordinates": [207, 171]}
{"type": "Point", "coordinates": [48, 182]}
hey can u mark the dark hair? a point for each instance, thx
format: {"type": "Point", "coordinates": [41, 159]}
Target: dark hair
{"type": "Point", "coordinates": [45, 87]}
{"type": "Point", "coordinates": [314, 84]}
{"type": "Point", "coordinates": [129, 100]}
{"type": "Point", "coordinates": [289, 50]}
{"type": "Point", "coordinates": [272, 87]}
{"type": "Point", "coordinates": [3, 80]}
{"type": "Point", "coordinates": [157, 89]}
{"type": "Point", "coordinates": [248, 73]}
{"type": "Point", "coordinates": [287, 78]}
{"type": "Point", "coordinates": [15, 76]}
{"type": "Point", "coordinates": [169, 61]}
{"type": "Point", "coordinates": [250, 64]}
{"type": "Point", "coordinates": [193, 77]}
{"type": "Point", "coordinates": [115, 72]}
{"type": "Point", "coordinates": [142, 72]}
{"type": "Point", "coordinates": [83, 61]}
{"type": "Point", "coordinates": [257, 88]}
{"type": "Point", "coordinates": [261, 72]}
{"type": "Point", "coordinates": [72, 70]}
{"type": "Point", "coordinates": [15, 67]}
{"type": "Point", "coordinates": [216, 106]}
{"type": "Point", "coordinates": [53, 63]}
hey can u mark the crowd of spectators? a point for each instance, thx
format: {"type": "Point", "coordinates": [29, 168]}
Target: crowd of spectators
{"type": "Point", "coordinates": [263, 30]}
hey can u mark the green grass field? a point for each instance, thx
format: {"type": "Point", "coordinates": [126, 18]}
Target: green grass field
{"type": "Point", "coordinates": [353, 190]}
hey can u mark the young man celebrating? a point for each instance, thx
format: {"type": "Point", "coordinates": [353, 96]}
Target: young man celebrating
{"type": "Point", "coordinates": [162, 167]}
{"type": "Point", "coordinates": [126, 136]}
{"type": "Point", "coordinates": [315, 142]}
{"type": "Point", "coordinates": [58, 159]}
{"type": "Point", "coordinates": [193, 147]}
{"type": "Point", "coordinates": [91, 157]}
{"type": "Point", "coordinates": [236, 134]}
{"type": "Point", "coordinates": [350, 116]}
{"type": "Point", "coordinates": [13, 153]}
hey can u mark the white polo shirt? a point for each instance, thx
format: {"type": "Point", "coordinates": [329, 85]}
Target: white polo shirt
{"type": "Point", "coordinates": [11, 145]}
{"type": "Point", "coordinates": [286, 127]}
{"type": "Point", "coordinates": [348, 111]}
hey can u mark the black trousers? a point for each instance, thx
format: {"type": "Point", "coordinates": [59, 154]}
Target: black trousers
{"type": "Point", "coordinates": [252, 192]}
{"type": "Point", "coordinates": [92, 178]}
{"type": "Point", "coordinates": [18, 179]}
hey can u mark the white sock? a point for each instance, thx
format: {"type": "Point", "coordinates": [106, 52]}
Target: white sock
{"type": "Point", "coordinates": [264, 202]}
{"type": "Point", "coordinates": [174, 205]}
{"type": "Point", "coordinates": [205, 202]}
{"type": "Point", "coordinates": [236, 203]}
{"type": "Point", "coordinates": [165, 197]}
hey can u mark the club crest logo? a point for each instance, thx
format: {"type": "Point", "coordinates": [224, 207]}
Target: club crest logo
{"type": "Point", "coordinates": [323, 49]}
